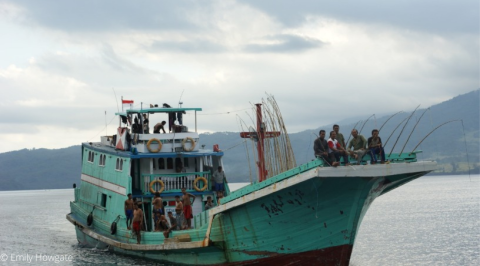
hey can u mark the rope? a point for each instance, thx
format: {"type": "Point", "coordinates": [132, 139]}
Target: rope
{"type": "Point", "coordinates": [226, 113]}
{"type": "Point", "coordinates": [96, 135]}
{"type": "Point", "coordinates": [235, 145]}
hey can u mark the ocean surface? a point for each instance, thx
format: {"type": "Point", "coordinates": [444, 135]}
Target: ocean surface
{"type": "Point", "coordinates": [434, 220]}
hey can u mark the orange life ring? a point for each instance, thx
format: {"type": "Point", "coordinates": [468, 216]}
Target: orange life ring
{"type": "Point", "coordinates": [159, 145]}
{"type": "Point", "coordinates": [185, 141]}
{"type": "Point", "coordinates": [162, 186]}
{"type": "Point", "coordinates": [195, 182]}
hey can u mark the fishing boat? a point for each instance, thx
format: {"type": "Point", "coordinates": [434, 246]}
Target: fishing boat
{"type": "Point", "coordinates": [293, 215]}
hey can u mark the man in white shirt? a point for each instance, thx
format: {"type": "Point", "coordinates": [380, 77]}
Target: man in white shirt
{"type": "Point", "coordinates": [335, 150]}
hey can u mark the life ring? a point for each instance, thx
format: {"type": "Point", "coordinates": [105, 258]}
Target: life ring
{"type": "Point", "coordinates": [185, 141]}
{"type": "Point", "coordinates": [113, 228]}
{"type": "Point", "coordinates": [162, 186]}
{"type": "Point", "coordinates": [196, 182]}
{"type": "Point", "coordinates": [90, 219]}
{"type": "Point", "coordinates": [150, 142]}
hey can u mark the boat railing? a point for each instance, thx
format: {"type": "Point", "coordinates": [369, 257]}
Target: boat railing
{"type": "Point", "coordinates": [200, 219]}
{"type": "Point", "coordinates": [175, 182]}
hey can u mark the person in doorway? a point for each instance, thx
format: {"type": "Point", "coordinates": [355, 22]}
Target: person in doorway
{"type": "Point", "coordinates": [136, 127]}
{"type": "Point", "coordinates": [129, 210]}
{"type": "Point", "coordinates": [137, 222]}
{"type": "Point", "coordinates": [219, 178]}
{"type": "Point", "coordinates": [188, 199]}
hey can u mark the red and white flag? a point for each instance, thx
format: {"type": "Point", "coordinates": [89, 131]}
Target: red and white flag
{"type": "Point", "coordinates": [127, 101]}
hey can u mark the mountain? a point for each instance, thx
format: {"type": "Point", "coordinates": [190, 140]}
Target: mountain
{"type": "Point", "coordinates": [448, 145]}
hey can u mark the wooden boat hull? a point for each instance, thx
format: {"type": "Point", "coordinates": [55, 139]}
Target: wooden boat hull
{"type": "Point", "coordinates": [309, 217]}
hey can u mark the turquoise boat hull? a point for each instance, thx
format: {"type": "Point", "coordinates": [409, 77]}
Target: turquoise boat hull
{"type": "Point", "coordinates": [310, 216]}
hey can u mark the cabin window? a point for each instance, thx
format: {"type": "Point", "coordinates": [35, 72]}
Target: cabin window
{"type": "Point", "coordinates": [169, 163]}
{"type": "Point", "coordinates": [119, 164]}
{"type": "Point", "coordinates": [102, 160]}
{"type": "Point", "coordinates": [154, 164]}
{"type": "Point", "coordinates": [161, 163]}
{"type": "Point", "coordinates": [91, 156]}
{"type": "Point", "coordinates": [185, 162]}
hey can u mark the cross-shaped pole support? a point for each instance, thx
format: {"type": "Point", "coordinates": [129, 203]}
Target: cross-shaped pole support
{"type": "Point", "coordinates": [259, 137]}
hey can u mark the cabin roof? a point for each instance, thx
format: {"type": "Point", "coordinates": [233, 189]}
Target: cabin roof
{"type": "Point", "coordinates": [156, 110]}
{"type": "Point", "coordinates": [111, 150]}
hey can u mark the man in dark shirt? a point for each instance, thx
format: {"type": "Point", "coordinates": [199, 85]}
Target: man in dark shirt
{"type": "Point", "coordinates": [375, 147]}
{"type": "Point", "coordinates": [320, 147]}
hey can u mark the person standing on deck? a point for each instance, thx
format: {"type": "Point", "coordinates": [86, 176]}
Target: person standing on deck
{"type": "Point", "coordinates": [129, 211]}
{"type": "Point", "coordinates": [180, 117]}
{"type": "Point", "coordinates": [359, 145]}
{"type": "Point", "coordinates": [145, 124]}
{"type": "Point", "coordinates": [187, 206]}
{"type": "Point", "coordinates": [320, 147]}
{"type": "Point", "coordinates": [218, 178]}
{"type": "Point", "coordinates": [180, 216]}
{"type": "Point", "coordinates": [137, 222]}
{"type": "Point", "coordinates": [375, 147]}
{"type": "Point", "coordinates": [335, 150]}
{"type": "Point", "coordinates": [339, 137]}
{"type": "Point", "coordinates": [156, 219]}
{"type": "Point", "coordinates": [157, 205]}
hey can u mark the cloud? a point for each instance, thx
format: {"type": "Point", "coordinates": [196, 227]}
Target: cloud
{"type": "Point", "coordinates": [222, 56]}
{"type": "Point", "coordinates": [458, 17]}
{"type": "Point", "coordinates": [284, 43]}
{"type": "Point", "coordinates": [86, 16]}
{"type": "Point", "coordinates": [191, 46]}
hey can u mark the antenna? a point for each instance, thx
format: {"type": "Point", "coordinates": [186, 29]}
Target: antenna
{"type": "Point", "coordinates": [118, 109]}
{"type": "Point", "coordinates": [180, 100]}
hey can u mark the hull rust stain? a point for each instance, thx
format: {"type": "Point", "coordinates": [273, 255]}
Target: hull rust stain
{"type": "Point", "coordinates": [333, 256]}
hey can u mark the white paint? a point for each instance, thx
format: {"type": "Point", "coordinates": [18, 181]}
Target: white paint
{"type": "Point", "coordinates": [104, 184]}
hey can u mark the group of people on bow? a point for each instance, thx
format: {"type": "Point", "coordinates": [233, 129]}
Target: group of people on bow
{"type": "Point", "coordinates": [334, 148]}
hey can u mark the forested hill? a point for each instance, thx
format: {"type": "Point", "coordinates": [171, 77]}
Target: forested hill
{"type": "Point", "coordinates": [60, 168]}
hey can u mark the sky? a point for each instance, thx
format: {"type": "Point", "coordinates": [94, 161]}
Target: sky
{"type": "Point", "coordinates": [64, 65]}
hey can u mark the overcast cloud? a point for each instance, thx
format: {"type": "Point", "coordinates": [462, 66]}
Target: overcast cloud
{"type": "Point", "coordinates": [65, 64]}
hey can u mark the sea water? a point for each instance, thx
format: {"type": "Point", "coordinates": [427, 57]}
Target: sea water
{"type": "Point", "coordinates": [434, 220]}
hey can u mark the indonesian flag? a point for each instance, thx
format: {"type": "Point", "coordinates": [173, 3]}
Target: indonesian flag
{"type": "Point", "coordinates": [127, 101]}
